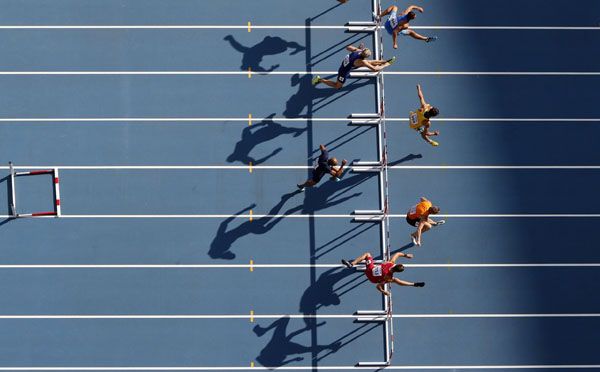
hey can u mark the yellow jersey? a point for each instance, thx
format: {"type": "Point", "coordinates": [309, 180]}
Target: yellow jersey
{"type": "Point", "coordinates": [417, 118]}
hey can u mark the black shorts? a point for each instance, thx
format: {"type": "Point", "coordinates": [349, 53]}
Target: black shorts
{"type": "Point", "coordinates": [343, 73]}
{"type": "Point", "coordinates": [318, 174]}
{"type": "Point", "coordinates": [411, 221]}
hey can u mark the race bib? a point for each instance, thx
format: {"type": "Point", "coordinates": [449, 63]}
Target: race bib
{"type": "Point", "coordinates": [341, 79]}
{"type": "Point", "coordinates": [346, 61]}
{"type": "Point", "coordinates": [393, 22]}
{"type": "Point", "coordinates": [413, 120]}
{"type": "Point", "coordinates": [377, 271]}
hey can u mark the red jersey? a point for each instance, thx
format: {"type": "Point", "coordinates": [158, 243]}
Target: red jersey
{"type": "Point", "coordinates": [378, 273]}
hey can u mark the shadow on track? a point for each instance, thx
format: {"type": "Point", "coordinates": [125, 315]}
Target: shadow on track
{"type": "Point", "coordinates": [281, 346]}
{"type": "Point", "coordinates": [222, 242]}
{"type": "Point", "coordinates": [256, 134]}
{"type": "Point", "coordinates": [253, 56]}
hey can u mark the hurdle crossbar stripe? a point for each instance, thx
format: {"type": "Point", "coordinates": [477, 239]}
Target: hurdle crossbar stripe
{"type": "Point", "coordinates": [56, 193]}
{"type": "Point", "coordinates": [13, 200]}
{"type": "Point", "coordinates": [35, 172]}
{"type": "Point", "coordinates": [37, 214]}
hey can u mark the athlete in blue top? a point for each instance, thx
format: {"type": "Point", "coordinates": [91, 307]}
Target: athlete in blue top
{"type": "Point", "coordinates": [399, 24]}
{"type": "Point", "coordinates": [356, 58]}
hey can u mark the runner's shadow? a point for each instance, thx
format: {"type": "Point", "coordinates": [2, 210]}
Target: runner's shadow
{"type": "Point", "coordinates": [314, 97]}
{"type": "Point", "coordinates": [253, 56]}
{"type": "Point", "coordinates": [280, 348]}
{"type": "Point", "coordinates": [323, 292]}
{"type": "Point", "coordinates": [223, 241]}
{"type": "Point", "coordinates": [259, 133]}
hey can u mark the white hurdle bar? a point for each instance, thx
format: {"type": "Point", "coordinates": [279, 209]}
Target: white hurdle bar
{"type": "Point", "coordinates": [56, 193]}
{"type": "Point", "coordinates": [375, 215]}
{"type": "Point", "coordinates": [361, 26]}
{"type": "Point", "coordinates": [365, 119]}
{"type": "Point", "coordinates": [13, 200]}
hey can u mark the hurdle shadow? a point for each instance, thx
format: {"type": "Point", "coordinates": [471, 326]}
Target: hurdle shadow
{"type": "Point", "coordinates": [220, 247]}
{"type": "Point", "coordinates": [408, 157]}
{"type": "Point", "coordinates": [345, 237]}
{"type": "Point", "coordinates": [258, 133]}
{"type": "Point", "coordinates": [279, 350]}
{"type": "Point", "coordinates": [330, 193]}
{"type": "Point", "coordinates": [252, 56]}
{"type": "Point", "coordinates": [309, 99]}
{"type": "Point", "coordinates": [349, 136]}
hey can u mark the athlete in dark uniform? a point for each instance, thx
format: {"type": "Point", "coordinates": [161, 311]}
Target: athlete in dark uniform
{"type": "Point", "coordinates": [324, 166]}
{"type": "Point", "coordinates": [356, 58]}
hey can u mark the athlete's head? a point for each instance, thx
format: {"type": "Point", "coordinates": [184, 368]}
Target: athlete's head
{"type": "Point", "coordinates": [411, 15]}
{"type": "Point", "coordinates": [397, 268]}
{"type": "Point", "coordinates": [434, 209]}
{"type": "Point", "coordinates": [332, 162]}
{"type": "Point", "coordinates": [431, 112]}
{"type": "Point", "coordinates": [366, 53]}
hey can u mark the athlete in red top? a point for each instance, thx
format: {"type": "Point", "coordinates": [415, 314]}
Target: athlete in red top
{"type": "Point", "coordinates": [384, 273]}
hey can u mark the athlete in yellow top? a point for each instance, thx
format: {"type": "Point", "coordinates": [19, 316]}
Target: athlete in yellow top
{"type": "Point", "coordinates": [419, 120]}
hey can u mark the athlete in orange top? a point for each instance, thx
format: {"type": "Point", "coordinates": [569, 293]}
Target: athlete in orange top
{"type": "Point", "coordinates": [383, 273]}
{"type": "Point", "coordinates": [418, 216]}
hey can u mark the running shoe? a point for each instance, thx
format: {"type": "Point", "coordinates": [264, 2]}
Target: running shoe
{"type": "Point", "coordinates": [431, 38]}
{"type": "Point", "coordinates": [316, 80]}
{"type": "Point", "coordinates": [433, 143]}
{"type": "Point", "coordinates": [347, 264]}
{"type": "Point", "coordinates": [391, 60]}
{"type": "Point", "coordinates": [420, 284]}
{"type": "Point", "coordinates": [440, 222]}
{"type": "Point", "coordinates": [300, 188]}
{"type": "Point", "coordinates": [414, 240]}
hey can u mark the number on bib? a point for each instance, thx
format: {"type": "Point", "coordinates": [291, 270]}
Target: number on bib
{"type": "Point", "coordinates": [377, 271]}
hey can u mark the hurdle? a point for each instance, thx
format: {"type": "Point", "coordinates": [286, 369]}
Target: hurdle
{"type": "Point", "coordinates": [379, 166]}
{"type": "Point", "coordinates": [13, 195]}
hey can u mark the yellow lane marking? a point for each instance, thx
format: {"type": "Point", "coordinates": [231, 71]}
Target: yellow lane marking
{"type": "Point", "coordinates": [249, 26]}
{"type": "Point", "coordinates": [250, 167]}
{"type": "Point", "coordinates": [251, 265]}
{"type": "Point", "coordinates": [251, 213]}
{"type": "Point", "coordinates": [251, 316]}
{"type": "Point", "coordinates": [249, 120]}
{"type": "Point", "coordinates": [249, 72]}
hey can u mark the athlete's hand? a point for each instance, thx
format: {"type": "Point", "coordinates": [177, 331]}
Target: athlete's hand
{"type": "Point", "coordinates": [420, 9]}
{"type": "Point", "coordinates": [386, 293]}
{"type": "Point", "coordinates": [344, 162]}
{"type": "Point", "coordinates": [409, 255]}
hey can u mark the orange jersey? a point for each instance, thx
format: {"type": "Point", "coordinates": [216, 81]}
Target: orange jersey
{"type": "Point", "coordinates": [420, 210]}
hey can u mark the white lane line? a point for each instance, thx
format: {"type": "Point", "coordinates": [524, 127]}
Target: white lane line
{"type": "Point", "coordinates": [494, 167]}
{"type": "Point", "coordinates": [293, 316]}
{"type": "Point", "coordinates": [246, 73]}
{"type": "Point", "coordinates": [348, 216]}
{"type": "Point", "coordinates": [286, 167]}
{"type": "Point", "coordinates": [309, 368]}
{"type": "Point", "coordinates": [292, 266]}
{"type": "Point", "coordinates": [245, 120]}
{"type": "Point", "coordinates": [283, 27]}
